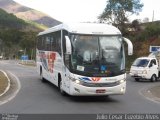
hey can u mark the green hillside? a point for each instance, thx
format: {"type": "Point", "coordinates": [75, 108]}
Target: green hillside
{"type": "Point", "coordinates": [29, 14]}
{"type": "Point", "coordinates": [36, 25]}
{"type": "Point", "coordinates": [10, 21]}
{"type": "Point", "coordinates": [16, 35]}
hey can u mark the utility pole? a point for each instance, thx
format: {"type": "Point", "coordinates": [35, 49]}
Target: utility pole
{"type": "Point", "coordinates": [153, 16]}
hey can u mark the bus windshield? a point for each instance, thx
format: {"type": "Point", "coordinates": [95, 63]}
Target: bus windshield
{"type": "Point", "coordinates": [101, 56]}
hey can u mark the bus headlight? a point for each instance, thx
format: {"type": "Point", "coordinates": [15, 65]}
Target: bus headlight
{"type": "Point", "coordinates": [75, 80]}
{"type": "Point", "coordinates": [122, 81]}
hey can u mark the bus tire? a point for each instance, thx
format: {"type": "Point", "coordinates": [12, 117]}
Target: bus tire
{"type": "Point", "coordinates": [137, 79]}
{"type": "Point", "coordinates": [41, 75]}
{"type": "Point", "coordinates": [60, 85]}
{"type": "Point", "coordinates": [153, 78]}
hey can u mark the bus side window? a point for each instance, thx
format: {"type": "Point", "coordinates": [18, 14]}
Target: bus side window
{"type": "Point", "coordinates": [47, 43]}
{"type": "Point", "coordinates": [39, 43]}
{"type": "Point", "coordinates": [42, 43]}
{"type": "Point", "coordinates": [53, 42]}
{"type": "Point", "coordinates": [58, 42]}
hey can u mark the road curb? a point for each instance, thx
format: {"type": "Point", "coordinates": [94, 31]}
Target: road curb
{"type": "Point", "coordinates": [9, 83]}
{"type": "Point", "coordinates": [13, 90]}
{"type": "Point", "coordinates": [156, 98]}
{"type": "Point", "coordinates": [146, 92]}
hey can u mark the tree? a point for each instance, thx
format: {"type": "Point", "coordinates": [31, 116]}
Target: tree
{"type": "Point", "coordinates": [136, 25]}
{"type": "Point", "coordinates": [28, 42]}
{"type": "Point", "coordinates": [118, 11]}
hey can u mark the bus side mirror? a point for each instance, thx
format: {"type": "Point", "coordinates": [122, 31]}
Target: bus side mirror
{"type": "Point", "coordinates": [130, 46]}
{"type": "Point", "coordinates": [68, 45]}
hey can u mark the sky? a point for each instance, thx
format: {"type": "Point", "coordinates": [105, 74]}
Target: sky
{"type": "Point", "coordinates": [86, 10]}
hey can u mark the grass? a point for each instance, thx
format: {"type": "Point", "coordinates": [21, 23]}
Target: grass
{"type": "Point", "coordinates": [3, 82]}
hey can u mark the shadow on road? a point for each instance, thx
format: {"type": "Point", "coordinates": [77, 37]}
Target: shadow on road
{"type": "Point", "coordinates": [85, 99]}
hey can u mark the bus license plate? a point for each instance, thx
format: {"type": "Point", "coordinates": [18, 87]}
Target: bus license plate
{"type": "Point", "coordinates": [100, 91]}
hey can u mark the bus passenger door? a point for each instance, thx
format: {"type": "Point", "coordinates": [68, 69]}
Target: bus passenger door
{"type": "Point", "coordinates": [66, 73]}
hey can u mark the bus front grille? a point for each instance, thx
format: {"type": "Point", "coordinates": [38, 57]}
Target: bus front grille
{"type": "Point", "coordinates": [87, 84]}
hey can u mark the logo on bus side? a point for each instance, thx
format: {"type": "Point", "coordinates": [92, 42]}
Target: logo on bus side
{"type": "Point", "coordinates": [51, 59]}
{"type": "Point", "coordinates": [48, 60]}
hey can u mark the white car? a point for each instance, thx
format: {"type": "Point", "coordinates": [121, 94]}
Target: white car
{"type": "Point", "coordinates": [145, 68]}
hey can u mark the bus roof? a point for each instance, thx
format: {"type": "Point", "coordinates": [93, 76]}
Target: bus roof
{"type": "Point", "coordinates": [85, 28]}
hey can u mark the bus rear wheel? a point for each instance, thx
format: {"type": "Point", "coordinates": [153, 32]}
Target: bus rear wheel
{"type": "Point", "coordinates": [137, 79]}
{"type": "Point", "coordinates": [41, 75]}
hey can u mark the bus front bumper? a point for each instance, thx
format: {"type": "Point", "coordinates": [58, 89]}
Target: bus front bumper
{"type": "Point", "coordinates": [80, 90]}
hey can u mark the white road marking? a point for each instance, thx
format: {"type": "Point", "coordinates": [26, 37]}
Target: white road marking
{"type": "Point", "coordinates": [9, 83]}
{"type": "Point", "coordinates": [150, 97]}
{"type": "Point", "coordinates": [15, 92]}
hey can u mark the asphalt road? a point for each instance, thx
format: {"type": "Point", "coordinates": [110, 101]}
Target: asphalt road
{"type": "Point", "coordinates": [35, 97]}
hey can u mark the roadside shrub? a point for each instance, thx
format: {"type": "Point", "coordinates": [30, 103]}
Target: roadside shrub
{"type": "Point", "coordinates": [152, 30]}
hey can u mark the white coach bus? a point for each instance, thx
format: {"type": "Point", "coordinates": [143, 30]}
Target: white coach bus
{"type": "Point", "coordinates": [83, 59]}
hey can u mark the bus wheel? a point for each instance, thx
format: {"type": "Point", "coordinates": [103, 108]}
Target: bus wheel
{"type": "Point", "coordinates": [41, 75]}
{"type": "Point", "coordinates": [60, 85]}
{"type": "Point", "coordinates": [153, 78]}
{"type": "Point", "coordinates": [137, 79]}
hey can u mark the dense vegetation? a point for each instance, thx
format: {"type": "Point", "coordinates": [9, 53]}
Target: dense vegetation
{"type": "Point", "coordinates": [143, 36]}
{"type": "Point", "coordinates": [10, 21]}
{"type": "Point", "coordinates": [117, 12]}
{"type": "Point", "coordinates": [16, 36]}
